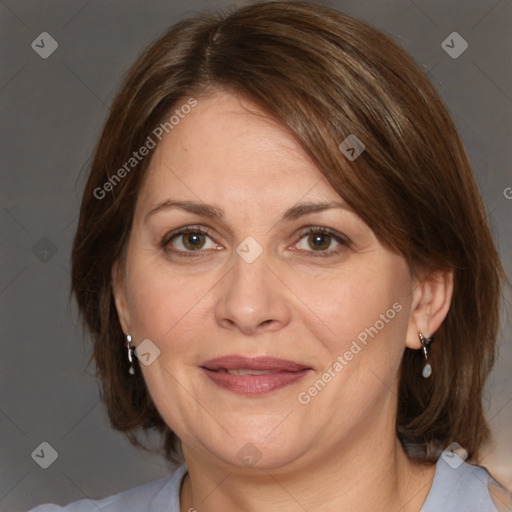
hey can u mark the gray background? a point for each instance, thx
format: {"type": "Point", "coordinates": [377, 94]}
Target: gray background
{"type": "Point", "coordinates": [51, 112]}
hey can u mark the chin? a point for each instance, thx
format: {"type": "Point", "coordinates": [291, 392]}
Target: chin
{"type": "Point", "coordinates": [260, 452]}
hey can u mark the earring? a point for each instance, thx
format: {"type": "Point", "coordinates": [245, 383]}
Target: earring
{"type": "Point", "coordinates": [425, 342]}
{"type": "Point", "coordinates": [131, 352]}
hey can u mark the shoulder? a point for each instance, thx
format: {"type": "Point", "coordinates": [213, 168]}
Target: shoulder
{"type": "Point", "coordinates": [460, 486]}
{"type": "Point", "coordinates": [154, 496]}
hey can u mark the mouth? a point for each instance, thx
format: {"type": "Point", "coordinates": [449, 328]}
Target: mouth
{"type": "Point", "coordinates": [253, 375]}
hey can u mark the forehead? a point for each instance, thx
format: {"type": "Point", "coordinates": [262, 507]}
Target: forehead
{"type": "Point", "coordinates": [227, 150]}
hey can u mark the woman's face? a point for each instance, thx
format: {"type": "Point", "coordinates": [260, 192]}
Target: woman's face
{"type": "Point", "coordinates": [257, 285]}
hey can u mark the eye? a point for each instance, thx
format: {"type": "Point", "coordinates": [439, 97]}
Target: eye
{"type": "Point", "coordinates": [188, 239]}
{"type": "Point", "coordinates": [320, 240]}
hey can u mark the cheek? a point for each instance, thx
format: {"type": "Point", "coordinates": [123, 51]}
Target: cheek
{"type": "Point", "coordinates": [349, 303]}
{"type": "Point", "coordinates": [163, 303]}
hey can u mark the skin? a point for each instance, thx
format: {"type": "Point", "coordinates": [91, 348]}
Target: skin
{"type": "Point", "coordinates": [337, 453]}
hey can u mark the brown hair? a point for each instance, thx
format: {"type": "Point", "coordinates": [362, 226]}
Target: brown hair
{"type": "Point", "coordinates": [323, 75]}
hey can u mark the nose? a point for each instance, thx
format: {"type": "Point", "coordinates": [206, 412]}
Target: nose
{"type": "Point", "coordinates": [252, 299]}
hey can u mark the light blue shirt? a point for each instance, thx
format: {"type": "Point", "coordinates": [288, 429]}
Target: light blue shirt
{"type": "Point", "coordinates": [455, 489]}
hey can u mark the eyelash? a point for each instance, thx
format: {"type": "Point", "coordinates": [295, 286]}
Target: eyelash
{"type": "Point", "coordinates": [344, 242]}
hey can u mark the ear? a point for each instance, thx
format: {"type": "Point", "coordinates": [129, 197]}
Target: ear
{"type": "Point", "coordinates": [431, 299]}
{"type": "Point", "coordinates": [120, 296]}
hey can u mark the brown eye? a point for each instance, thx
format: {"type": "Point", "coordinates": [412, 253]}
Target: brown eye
{"type": "Point", "coordinates": [193, 240]}
{"type": "Point", "coordinates": [319, 241]}
{"type": "Point", "coordinates": [188, 240]}
{"type": "Point", "coordinates": [322, 242]}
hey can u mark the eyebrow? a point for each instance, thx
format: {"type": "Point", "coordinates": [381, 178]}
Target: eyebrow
{"type": "Point", "coordinates": [213, 212]}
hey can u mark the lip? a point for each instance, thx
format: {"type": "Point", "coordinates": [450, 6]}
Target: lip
{"type": "Point", "coordinates": [253, 363]}
{"type": "Point", "coordinates": [283, 373]}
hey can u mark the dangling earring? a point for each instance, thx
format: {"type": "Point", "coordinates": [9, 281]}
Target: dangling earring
{"type": "Point", "coordinates": [425, 342]}
{"type": "Point", "coordinates": [131, 352]}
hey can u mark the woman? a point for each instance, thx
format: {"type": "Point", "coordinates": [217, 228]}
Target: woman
{"type": "Point", "coordinates": [286, 267]}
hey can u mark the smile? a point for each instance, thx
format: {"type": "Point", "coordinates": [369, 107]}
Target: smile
{"type": "Point", "coordinates": [253, 375]}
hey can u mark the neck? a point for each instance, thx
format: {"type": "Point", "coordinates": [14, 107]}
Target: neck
{"type": "Point", "coordinates": [363, 475]}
